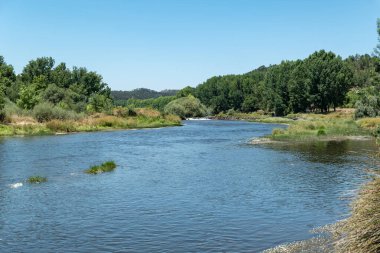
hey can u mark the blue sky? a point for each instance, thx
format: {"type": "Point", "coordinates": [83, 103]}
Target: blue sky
{"type": "Point", "coordinates": [167, 44]}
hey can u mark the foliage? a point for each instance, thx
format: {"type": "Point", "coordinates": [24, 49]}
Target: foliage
{"type": "Point", "coordinates": [45, 112]}
{"type": "Point", "coordinates": [36, 180]}
{"type": "Point", "coordinates": [99, 103]}
{"type": "Point", "coordinates": [318, 83]}
{"type": "Point", "coordinates": [377, 48]}
{"type": "Point", "coordinates": [185, 92]}
{"type": "Point", "coordinates": [186, 107]}
{"type": "Point", "coordinates": [156, 103]}
{"type": "Point", "coordinates": [120, 111]}
{"type": "Point", "coordinates": [104, 167]}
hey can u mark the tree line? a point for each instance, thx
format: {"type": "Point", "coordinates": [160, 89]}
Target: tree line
{"type": "Point", "coordinates": [319, 83]}
{"type": "Point", "coordinates": [41, 81]}
{"type": "Point", "coordinates": [141, 93]}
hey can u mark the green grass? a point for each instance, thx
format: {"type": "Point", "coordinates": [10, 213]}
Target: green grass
{"type": "Point", "coordinates": [36, 180]}
{"type": "Point", "coordinates": [108, 166]}
{"type": "Point", "coordinates": [319, 128]}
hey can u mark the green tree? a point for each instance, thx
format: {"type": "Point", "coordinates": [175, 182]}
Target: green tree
{"type": "Point", "coordinates": [99, 103]}
{"type": "Point", "coordinates": [185, 92]}
{"type": "Point", "coordinates": [299, 89]}
{"type": "Point", "coordinates": [28, 97]}
{"type": "Point", "coordinates": [377, 48]}
{"type": "Point", "coordinates": [330, 80]}
{"type": "Point", "coordinates": [40, 67]}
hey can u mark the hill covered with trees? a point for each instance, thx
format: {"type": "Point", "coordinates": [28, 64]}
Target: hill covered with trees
{"type": "Point", "coordinates": [141, 93]}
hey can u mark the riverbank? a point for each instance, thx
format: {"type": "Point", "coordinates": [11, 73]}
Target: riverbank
{"type": "Point", "coordinates": [27, 126]}
{"type": "Point", "coordinates": [339, 125]}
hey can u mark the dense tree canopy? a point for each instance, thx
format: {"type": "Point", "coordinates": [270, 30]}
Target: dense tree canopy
{"type": "Point", "coordinates": [319, 82]}
{"type": "Point", "coordinates": [41, 81]}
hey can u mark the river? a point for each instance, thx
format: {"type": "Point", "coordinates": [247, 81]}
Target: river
{"type": "Point", "coordinates": [196, 188]}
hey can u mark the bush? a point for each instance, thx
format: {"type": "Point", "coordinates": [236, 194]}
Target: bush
{"type": "Point", "coordinates": [123, 112]}
{"type": "Point", "coordinates": [45, 112]}
{"type": "Point", "coordinates": [321, 131]}
{"type": "Point", "coordinates": [186, 107]}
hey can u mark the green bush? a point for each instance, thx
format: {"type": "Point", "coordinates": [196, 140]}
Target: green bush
{"type": "Point", "coordinates": [45, 112]}
{"type": "Point", "coordinates": [186, 107]}
{"type": "Point", "coordinates": [321, 131]}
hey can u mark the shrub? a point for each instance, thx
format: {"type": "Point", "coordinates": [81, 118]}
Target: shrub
{"type": "Point", "coordinates": [123, 112]}
{"type": "Point", "coordinates": [321, 131]}
{"type": "Point", "coordinates": [186, 107]}
{"type": "Point", "coordinates": [45, 112]}
{"type": "Point", "coordinates": [104, 167]}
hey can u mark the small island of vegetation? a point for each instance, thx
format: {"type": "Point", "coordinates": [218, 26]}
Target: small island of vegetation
{"type": "Point", "coordinates": [36, 180]}
{"type": "Point", "coordinates": [104, 167]}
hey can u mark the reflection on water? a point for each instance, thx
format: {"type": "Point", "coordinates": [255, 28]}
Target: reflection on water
{"type": "Point", "coordinates": [196, 188]}
{"type": "Point", "coordinates": [334, 151]}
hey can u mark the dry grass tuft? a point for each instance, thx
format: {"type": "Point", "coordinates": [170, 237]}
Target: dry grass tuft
{"type": "Point", "coordinates": [360, 233]}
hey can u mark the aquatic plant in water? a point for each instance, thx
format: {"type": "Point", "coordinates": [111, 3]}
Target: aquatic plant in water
{"type": "Point", "coordinates": [36, 180]}
{"type": "Point", "coordinates": [104, 167]}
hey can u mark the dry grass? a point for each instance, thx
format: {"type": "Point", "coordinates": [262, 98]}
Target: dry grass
{"type": "Point", "coordinates": [147, 118]}
{"type": "Point", "coordinates": [22, 120]}
{"type": "Point", "coordinates": [360, 233]}
{"type": "Point", "coordinates": [148, 112]}
{"type": "Point", "coordinates": [369, 123]}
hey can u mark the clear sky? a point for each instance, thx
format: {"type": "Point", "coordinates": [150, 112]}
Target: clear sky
{"type": "Point", "coordinates": [167, 44]}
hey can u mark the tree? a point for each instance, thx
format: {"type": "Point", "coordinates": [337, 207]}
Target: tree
{"type": "Point", "coordinates": [28, 97]}
{"type": "Point", "coordinates": [299, 89]}
{"type": "Point", "coordinates": [330, 80]}
{"type": "Point", "coordinates": [377, 48]}
{"type": "Point", "coordinates": [185, 92]}
{"type": "Point", "coordinates": [99, 103]}
{"type": "Point", "coordinates": [37, 68]}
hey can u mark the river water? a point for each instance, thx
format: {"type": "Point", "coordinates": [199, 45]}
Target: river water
{"type": "Point", "coordinates": [196, 188]}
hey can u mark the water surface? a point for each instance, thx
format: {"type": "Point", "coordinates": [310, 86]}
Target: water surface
{"type": "Point", "coordinates": [196, 188]}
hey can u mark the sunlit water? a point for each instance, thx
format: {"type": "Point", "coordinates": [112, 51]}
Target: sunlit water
{"type": "Point", "coordinates": [196, 188]}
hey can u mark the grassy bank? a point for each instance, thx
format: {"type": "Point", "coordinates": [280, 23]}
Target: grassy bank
{"type": "Point", "coordinates": [360, 233]}
{"type": "Point", "coordinates": [144, 118]}
{"type": "Point", "coordinates": [310, 126]}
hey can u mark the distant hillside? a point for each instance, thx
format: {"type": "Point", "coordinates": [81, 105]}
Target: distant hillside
{"type": "Point", "coordinates": [141, 93]}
